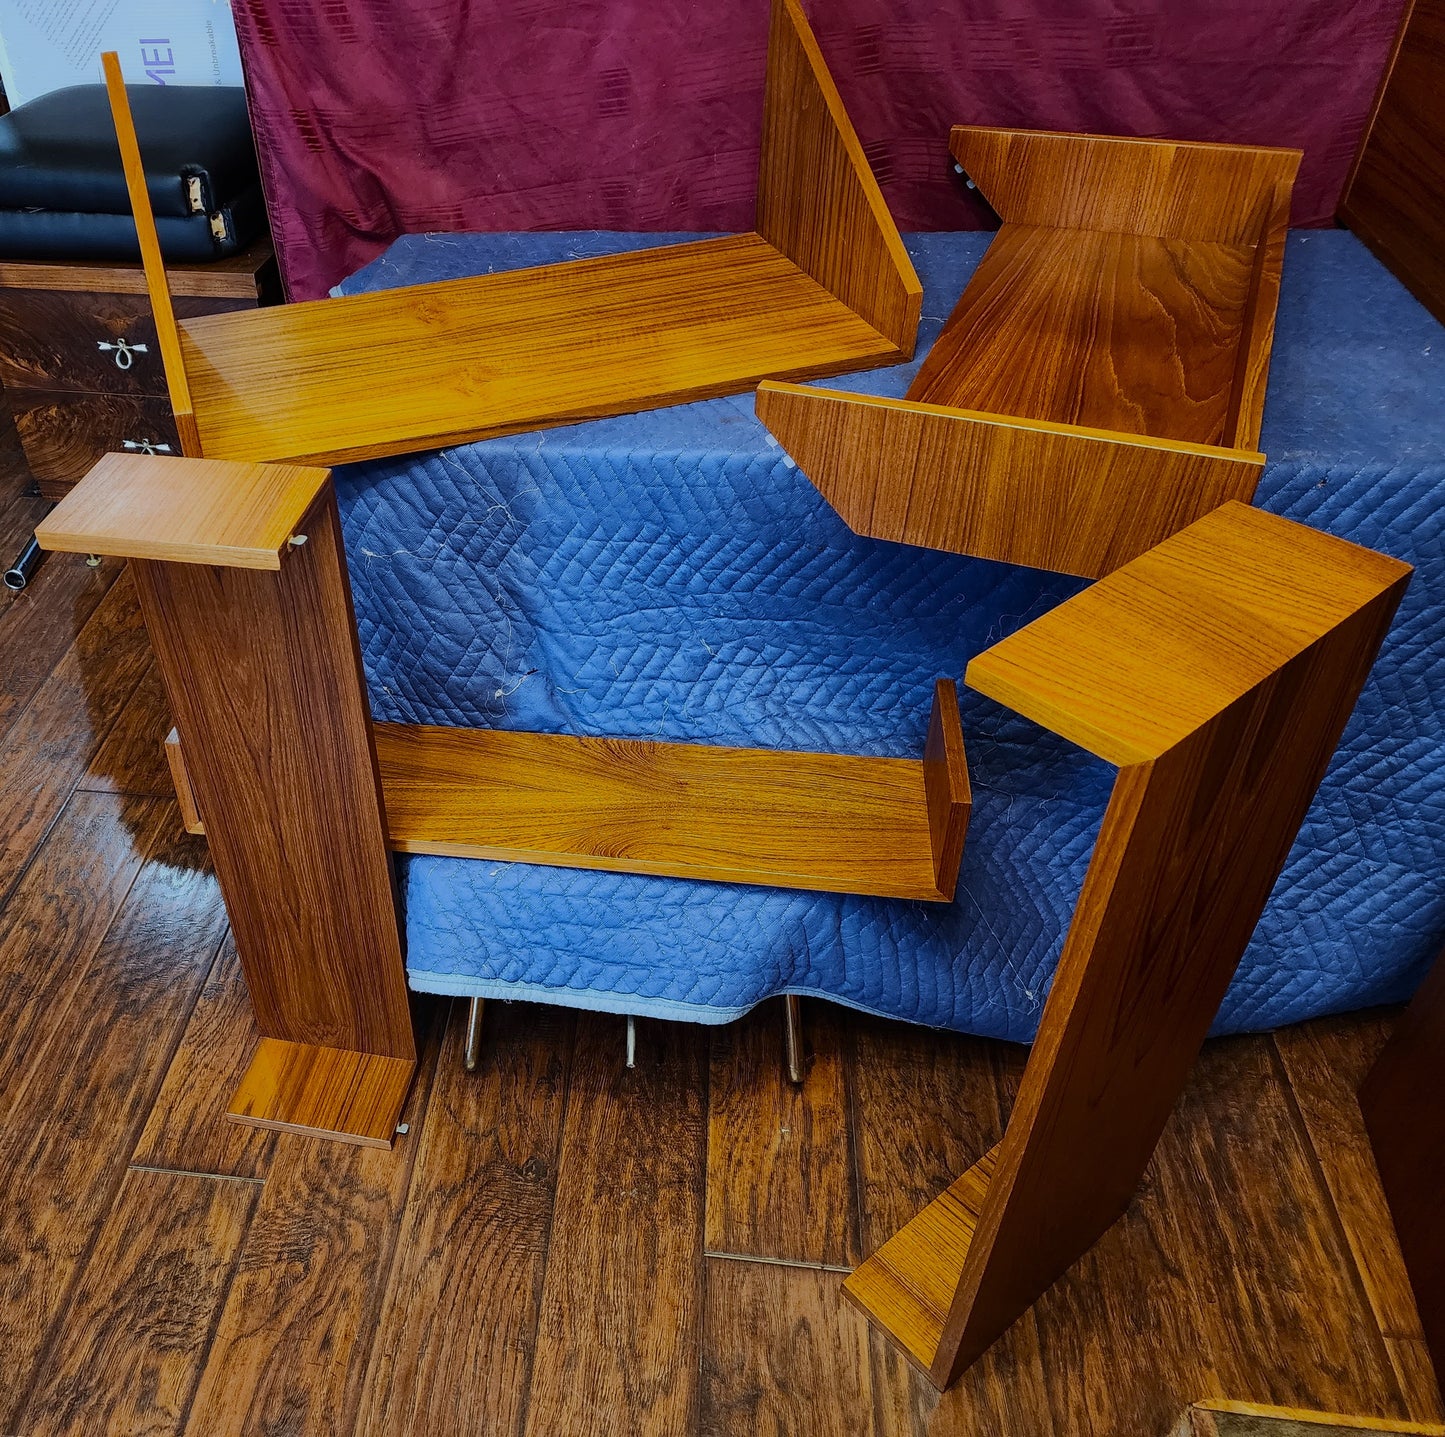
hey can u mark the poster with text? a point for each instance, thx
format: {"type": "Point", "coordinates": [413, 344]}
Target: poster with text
{"type": "Point", "coordinates": [48, 44]}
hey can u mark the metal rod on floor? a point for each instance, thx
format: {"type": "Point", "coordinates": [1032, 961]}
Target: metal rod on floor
{"type": "Point", "coordinates": [631, 1041]}
{"type": "Point", "coordinates": [793, 1035]}
{"type": "Point", "coordinates": [474, 1034]}
{"type": "Point", "coordinates": [20, 573]}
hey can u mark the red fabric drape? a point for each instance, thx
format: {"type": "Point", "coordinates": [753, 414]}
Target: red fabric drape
{"type": "Point", "coordinates": [382, 117]}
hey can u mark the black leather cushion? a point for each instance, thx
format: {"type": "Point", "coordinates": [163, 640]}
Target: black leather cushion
{"type": "Point", "coordinates": [68, 235]}
{"type": "Point", "coordinates": [60, 152]}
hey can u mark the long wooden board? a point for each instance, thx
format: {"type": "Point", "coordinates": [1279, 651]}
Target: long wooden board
{"type": "Point", "coordinates": [1217, 671]}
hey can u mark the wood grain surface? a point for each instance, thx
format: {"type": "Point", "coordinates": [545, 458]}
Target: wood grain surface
{"type": "Point", "coordinates": [247, 276]}
{"type": "Point", "coordinates": [65, 434]}
{"type": "Point", "coordinates": [184, 511]}
{"type": "Point", "coordinates": [1395, 196]}
{"type": "Point", "coordinates": [132, 757]}
{"type": "Point", "coordinates": [265, 683]}
{"type": "Point", "coordinates": [799, 820]}
{"type": "Point", "coordinates": [1218, 671]}
{"type": "Point", "coordinates": [818, 202]}
{"type": "Point", "coordinates": [1052, 496]}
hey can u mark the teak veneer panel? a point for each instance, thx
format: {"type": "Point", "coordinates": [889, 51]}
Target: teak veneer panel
{"type": "Point", "coordinates": [822, 287]}
{"type": "Point", "coordinates": [1218, 671]}
{"type": "Point", "coordinates": [1100, 383]}
{"type": "Point", "coordinates": [831, 822]}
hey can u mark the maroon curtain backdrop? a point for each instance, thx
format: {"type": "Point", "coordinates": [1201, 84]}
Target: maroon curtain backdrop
{"type": "Point", "coordinates": [398, 116]}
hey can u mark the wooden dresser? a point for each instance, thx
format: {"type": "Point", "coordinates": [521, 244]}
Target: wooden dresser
{"type": "Point", "coordinates": [79, 360]}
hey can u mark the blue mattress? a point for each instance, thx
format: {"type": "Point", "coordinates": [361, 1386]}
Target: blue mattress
{"type": "Point", "coordinates": [671, 575]}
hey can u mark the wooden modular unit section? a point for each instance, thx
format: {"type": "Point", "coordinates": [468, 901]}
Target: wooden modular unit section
{"type": "Point", "coordinates": [1395, 196]}
{"type": "Point", "coordinates": [1100, 384]}
{"type": "Point", "coordinates": [822, 286]}
{"type": "Point", "coordinates": [1217, 672]}
{"type": "Point", "coordinates": [243, 584]}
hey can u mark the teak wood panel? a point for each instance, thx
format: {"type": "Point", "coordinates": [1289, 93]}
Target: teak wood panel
{"type": "Point", "coordinates": [818, 202]}
{"type": "Point", "coordinates": [838, 823]}
{"type": "Point", "coordinates": [264, 679]}
{"type": "Point", "coordinates": [1166, 188]}
{"type": "Point", "coordinates": [205, 511]}
{"type": "Point", "coordinates": [437, 364]}
{"type": "Point", "coordinates": [1218, 671]}
{"type": "Point", "coordinates": [240, 277]}
{"type": "Point", "coordinates": [1054, 496]}
{"type": "Point", "coordinates": [1395, 196]}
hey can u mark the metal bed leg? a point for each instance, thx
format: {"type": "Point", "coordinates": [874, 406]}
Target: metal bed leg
{"type": "Point", "coordinates": [474, 1034]}
{"type": "Point", "coordinates": [631, 1041]}
{"type": "Point", "coordinates": [793, 1035]}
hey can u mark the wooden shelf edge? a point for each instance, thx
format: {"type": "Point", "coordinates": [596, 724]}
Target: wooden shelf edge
{"type": "Point", "coordinates": [906, 1288]}
{"type": "Point", "coordinates": [323, 1092]}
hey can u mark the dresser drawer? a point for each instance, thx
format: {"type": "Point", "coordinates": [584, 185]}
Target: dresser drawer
{"type": "Point", "coordinates": [63, 434]}
{"type": "Point", "coordinates": [88, 341]}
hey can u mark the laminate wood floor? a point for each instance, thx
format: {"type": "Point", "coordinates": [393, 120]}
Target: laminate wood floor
{"type": "Point", "coordinates": [560, 1245]}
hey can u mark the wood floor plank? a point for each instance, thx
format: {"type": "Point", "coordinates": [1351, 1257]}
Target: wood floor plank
{"type": "Point", "coordinates": [778, 1163]}
{"type": "Point", "coordinates": [140, 1319]}
{"type": "Point", "coordinates": [132, 760]}
{"type": "Point", "coordinates": [784, 1353]}
{"type": "Point", "coordinates": [926, 1106]}
{"type": "Point", "coordinates": [1325, 1062]}
{"type": "Point", "coordinates": [51, 741]}
{"type": "Point", "coordinates": [291, 1348]}
{"type": "Point", "coordinates": [1255, 1227]}
{"type": "Point", "coordinates": [61, 909]}
{"type": "Point", "coordinates": [82, 1109]}
{"type": "Point", "coordinates": [188, 1129]}
{"type": "Point", "coordinates": [619, 1334]}
{"type": "Point", "coordinates": [453, 1349]}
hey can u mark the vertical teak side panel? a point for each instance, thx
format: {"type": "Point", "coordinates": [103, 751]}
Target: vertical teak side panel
{"type": "Point", "coordinates": [1190, 847]}
{"type": "Point", "coordinates": [264, 677]}
{"type": "Point", "coordinates": [818, 202]}
{"type": "Point", "coordinates": [1405, 1118]}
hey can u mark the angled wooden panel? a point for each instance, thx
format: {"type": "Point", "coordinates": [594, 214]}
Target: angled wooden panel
{"type": "Point", "coordinates": [1168, 188]}
{"type": "Point", "coordinates": [1395, 196]}
{"type": "Point", "coordinates": [1218, 671]}
{"type": "Point", "coordinates": [818, 202]}
{"type": "Point", "coordinates": [1053, 496]}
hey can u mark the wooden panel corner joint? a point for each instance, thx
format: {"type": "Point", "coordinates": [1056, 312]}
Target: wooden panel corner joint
{"type": "Point", "coordinates": [823, 286]}
{"type": "Point", "coordinates": [1100, 384]}
{"type": "Point", "coordinates": [1217, 672]}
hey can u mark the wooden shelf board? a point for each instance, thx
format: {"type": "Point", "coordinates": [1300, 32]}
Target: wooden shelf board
{"type": "Point", "coordinates": [323, 1092]}
{"type": "Point", "coordinates": [188, 511]}
{"type": "Point", "coordinates": [447, 363]}
{"type": "Point", "coordinates": [1134, 333]}
{"type": "Point", "coordinates": [795, 820]}
{"type": "Point", "coordinates": [907, 1286]}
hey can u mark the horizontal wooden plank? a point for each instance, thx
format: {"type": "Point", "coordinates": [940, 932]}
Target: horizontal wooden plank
{"type": "Point", "coordinates": [799, 820]}
{"type": "Point", "coordinates": [183, 511]}
{"type": "Point", "coordinates": [427, 366]}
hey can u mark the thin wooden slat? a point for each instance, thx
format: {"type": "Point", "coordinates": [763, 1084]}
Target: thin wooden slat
{"type": "Point", "coordinates": [451, 362]}
{"type": "Point", "coordinates": [818, 202]}
{"type": "Point", "coordinates": [150, 251]}
{"type": "Point", "coordinates": [820, 821]}
{"type": "Point", "coordinates": [1326, 1061]}
{"type": "Point", "coordinates": [85, 1105]}
{"type": "Point", "coordinates": [778, 1166]}
{"type": "Point", "coordinates": [782, 1354]}
{"type": "Point", "coordinates": [1164, 188]}
{"type": "Point", "coordinates": [1222, 1418]}
{"type": "Point", "coordinates": [1252, 670]}
{"type": "Point", "coordinates": [139, 1321]}
{"type": "Point", "coordinates": [454, 1339]}
{"type": "Point", "coordinates": [1053, 496]}
{"type": "Point", "coordinates": [1395, 196]}
{"type": "Point", "coordinates": [180, 780]}
{"type": "Point", "coordinates": [291, 1348]}
{"type": "Point", "coordinates": [203, 511]}
{"type": "Point", "coordinates": [620, 1324]}
{"type": "Point", "coordinates": [187, 1129]}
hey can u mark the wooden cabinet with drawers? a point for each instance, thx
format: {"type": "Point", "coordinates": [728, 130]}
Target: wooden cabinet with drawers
{"type": "Point", "coordinates": [79, 361]}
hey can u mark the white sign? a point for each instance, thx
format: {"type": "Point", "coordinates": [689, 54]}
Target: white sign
{"type": "Point", "coordinates": [46, 45]}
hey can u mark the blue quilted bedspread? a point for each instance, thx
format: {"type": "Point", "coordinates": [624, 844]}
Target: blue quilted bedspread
{"type": "Point", "coordinates": [671, 575]}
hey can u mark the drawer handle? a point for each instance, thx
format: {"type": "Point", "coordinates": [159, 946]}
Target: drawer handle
{"type": "Point", "coordinates": [146, 446]}
{"type": "Point", "coordinates": [123, 350]}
